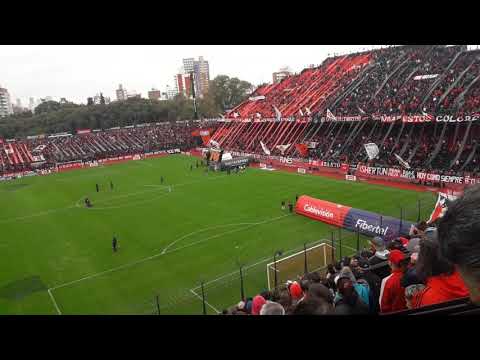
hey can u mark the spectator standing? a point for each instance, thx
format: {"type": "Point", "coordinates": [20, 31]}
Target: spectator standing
{"type": "Point", "coordinates": [313, 306]}
{"type": "Point", "coordinates": [442, 280]}
{"type": "Point", "coordinates": [272, 308]}
{"type": "Point", "coordinates": [348, 302]}
{"type": "Point", "coordinates": [378, 262]}
{"type": "Point", "coordinates": [458, 236]}
{"type": "Point", "coordinates": [361, 286]}
{"type": "Point", "coordinates": [392, 293]}
{"type": "Point", "coordinates": [374, 282]}
{"type": "Point", "coordinates": [257, 303]}
{"type": "Point", "coordinates": [410, 277]}
{"type": "Point", "coordinates": [411, 291]}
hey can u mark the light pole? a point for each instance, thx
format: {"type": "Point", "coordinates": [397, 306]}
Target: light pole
{"type": "Point", "coordinates": [279, 253]}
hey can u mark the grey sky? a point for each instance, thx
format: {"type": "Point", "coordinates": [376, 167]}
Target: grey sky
{"type": "Point", "coordinates": [77, 72]}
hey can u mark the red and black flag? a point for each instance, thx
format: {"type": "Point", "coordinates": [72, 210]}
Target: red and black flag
{"type": "Point", "coordinates": [441, 206]}
{"type": "Point", "coordinates": [302, 149]}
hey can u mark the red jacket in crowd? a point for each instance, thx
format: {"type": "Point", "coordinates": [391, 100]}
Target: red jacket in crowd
{"type": "Point", "coordinates": [392, 294]}
{"type": "Point", "coordinates": [439, 289]}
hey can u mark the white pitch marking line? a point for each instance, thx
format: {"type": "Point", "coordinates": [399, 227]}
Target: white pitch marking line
{"type": "Point", "coordinates": [203, 230]}
{"type": "Point", "coordinates": [54, 302]}
{"type": "Point", "coordinates": [153, 256]}
{"type": "Point", "coordinates": [227, 232]}
{"type": "Point", "coordinates": [206, 303]}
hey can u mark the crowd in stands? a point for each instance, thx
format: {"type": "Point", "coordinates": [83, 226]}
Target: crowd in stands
{"type": "Point", "coordinates": [390, 81]}
{"type": "Point", "coordinates": [400, 81]}
{"type": "Point", "coordinates": [435, 264]}
{"type": "Point", "coordinates": [416, 145]}
{"type": "Point", "coordinates": [20, 155]}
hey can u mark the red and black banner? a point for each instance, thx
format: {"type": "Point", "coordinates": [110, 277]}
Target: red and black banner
{"type": "Point", "coordinates": [204, 134]}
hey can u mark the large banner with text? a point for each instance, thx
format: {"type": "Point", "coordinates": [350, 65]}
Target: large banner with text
{"type": "Point", "coordinates": [365, 222]}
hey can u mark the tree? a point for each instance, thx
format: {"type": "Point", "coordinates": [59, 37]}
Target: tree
{"type": "Point", "coordinates": [228, 92]}
{"type": "Point", "coordinates": [47, 106]}
{"type": "Point", "coordinates": [52, 117]}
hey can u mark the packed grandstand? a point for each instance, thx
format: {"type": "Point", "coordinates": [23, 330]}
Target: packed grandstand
{"type": "Point", "coordinates": [418, 105]}
{"type": "Point", "coordinates": [418, 102]}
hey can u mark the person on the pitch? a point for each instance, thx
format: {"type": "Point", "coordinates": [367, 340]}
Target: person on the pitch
{"type": "Point", "coordinates": [88, 204]}
{"type": "Point", "coordinates": [191, 167]}
{"type": "Point", "coordinates": [98, 189]}
{"type": "Point", "coordinates": [283, 205]}
{"type": "Point", "coordinates": [161, 180]}
{"type": "Point", "coordinates": [290, 207]}
{"type": "Point", "coordinates": [114, 243]}
{"type": "Point", "coordinates": [111, 185]}
{"type": "Point", "coordinates": [296, 198]}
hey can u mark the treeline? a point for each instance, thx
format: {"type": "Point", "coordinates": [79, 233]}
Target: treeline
{"type": "Point", "coordinates": [54, 117]}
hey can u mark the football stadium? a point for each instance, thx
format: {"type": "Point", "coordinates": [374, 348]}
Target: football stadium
{"type": "Point", "coordinates": [347, 188]}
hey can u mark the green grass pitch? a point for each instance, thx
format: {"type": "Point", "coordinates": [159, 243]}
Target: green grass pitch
{"type": "Point", "coordinates": [56, 255]}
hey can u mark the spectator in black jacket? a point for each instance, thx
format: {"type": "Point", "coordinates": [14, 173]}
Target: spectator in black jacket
{"type": "Point", "coordinates": [410, 277]}
{"type": "Point", "coordinates": [313, 306]}
{"type": "Point", "coordinates": [378, 262]}
{"type": "Point", "coordinates": [350, 302]}
{"type": "Point", "coordinates": [362, 271]}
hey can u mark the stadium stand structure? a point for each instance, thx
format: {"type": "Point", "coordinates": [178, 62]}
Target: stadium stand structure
{"type": "Point", "coordinates": [419, 102]}
{"type": "Point", "coordinates": [44, 151]}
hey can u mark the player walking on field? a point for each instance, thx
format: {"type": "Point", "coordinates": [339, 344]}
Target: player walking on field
{"type": "Point", "coordinates": [283, 205]}
{"type": "Point", "coordinates": [111, 185]}
{"type": "Point", "coordinates": [98, 189]}
{"type": "Point", "coordinates": [114, 244]}
{"type": "Point", "coordinates": [161, 180]}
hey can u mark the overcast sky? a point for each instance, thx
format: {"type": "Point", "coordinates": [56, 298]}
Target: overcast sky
{"type": "Point", "coordinates": [77, 72]}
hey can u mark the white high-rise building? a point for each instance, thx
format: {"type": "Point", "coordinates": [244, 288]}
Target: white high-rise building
{"type": "Point", "coordinates": [121, 93]}
{"type": "Point", "coordinates": [201, 74]}
{"type": "Point", "coordinates": [5, 105]}
{"type": "Point", "coordinates": [188, 65]}
{"type": "Point", "coordinates": [171, 92]}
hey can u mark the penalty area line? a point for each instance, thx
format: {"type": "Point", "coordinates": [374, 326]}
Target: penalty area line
{"type": "Point", "coordinates": [206, 303]}
{"type": "Point", "coordinates": [54, 302]}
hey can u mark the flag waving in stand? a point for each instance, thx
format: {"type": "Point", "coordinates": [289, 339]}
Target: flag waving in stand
{"type": "Point", "coordinates": [302, 149]}
{"type": "Point", "coordinates": [441, 206]}
{"type": "Point", "coordinates": [372, 150]}
{"type": "Point", "coordinates": [278, 114]}
{"type": "Point", "coordinates": [403, 162]}
{"type": "Point", "coordinates": [265, 149]}
{"type": "Point", "coordinates": [282, 148]}
{"type": "Point", "coordinates": [330, 116]}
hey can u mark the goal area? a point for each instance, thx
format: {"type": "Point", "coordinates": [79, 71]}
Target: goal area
{"type": "Point", "coordinates": [315, 258]}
